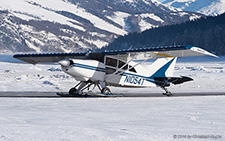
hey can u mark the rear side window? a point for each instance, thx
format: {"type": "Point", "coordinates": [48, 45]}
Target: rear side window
{"type": "Point", "coordinates": [114, 64]}
{"type": "Point", "coordinates": [121, 64]}
{"type": "Point", "coordinates": [132, 70]}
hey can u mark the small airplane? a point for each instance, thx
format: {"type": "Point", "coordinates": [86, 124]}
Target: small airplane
{"type": "Point", "coordinates": [119, 68]}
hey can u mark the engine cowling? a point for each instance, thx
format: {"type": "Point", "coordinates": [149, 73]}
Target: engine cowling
{"type": "Point", "coordinates": [84, 70]}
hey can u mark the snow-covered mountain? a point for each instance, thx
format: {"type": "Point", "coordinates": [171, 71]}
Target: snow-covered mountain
{"type": "Point", "coordinates": [78, 25]}
{"type": "Point", "coordinates": [207, 7]}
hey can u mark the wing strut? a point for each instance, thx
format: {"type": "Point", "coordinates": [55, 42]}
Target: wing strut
{"type": "Point", "coordinates": [122, 71]}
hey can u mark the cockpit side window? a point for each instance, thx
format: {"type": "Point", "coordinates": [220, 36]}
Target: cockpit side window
{"type": "Point", "coordinates": [111, 62]}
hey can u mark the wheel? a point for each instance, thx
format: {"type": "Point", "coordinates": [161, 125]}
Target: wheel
{"type": "Point", "coordinates": [106, 90]}
{"type": "Point", "coordinates": [73, 92]}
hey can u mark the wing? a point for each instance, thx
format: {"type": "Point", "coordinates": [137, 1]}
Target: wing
{"type": "Point", "coordinates": [48, 57]}
{"type": "Point", "coordinates": [158, 52]}
{"type": "Point", "coordinates": [128, 54]}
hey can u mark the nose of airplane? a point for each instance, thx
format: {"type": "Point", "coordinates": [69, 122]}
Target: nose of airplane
{"type": "Point", "coordinates": [64, 63]}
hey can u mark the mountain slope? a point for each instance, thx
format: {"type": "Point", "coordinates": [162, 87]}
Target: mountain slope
{"type": "Point", "coordinates": [207, 7]}
{"type": "Point", "coordinates": [78, 25]}
{"type": "Point", "coordinates": [207, 33]}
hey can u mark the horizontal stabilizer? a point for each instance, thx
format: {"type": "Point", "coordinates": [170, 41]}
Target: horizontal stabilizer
{"type": "Point", "coordinates": [165, 81]}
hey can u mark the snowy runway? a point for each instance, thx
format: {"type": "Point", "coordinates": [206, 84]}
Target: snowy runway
{"type": "Point", "coordinates": [30, 94]}
{"type": "Point", "coordinates": [72, 119]}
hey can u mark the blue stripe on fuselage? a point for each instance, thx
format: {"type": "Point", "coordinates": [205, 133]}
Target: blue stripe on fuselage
{"type": "Point", "coordinates": [88, 67]}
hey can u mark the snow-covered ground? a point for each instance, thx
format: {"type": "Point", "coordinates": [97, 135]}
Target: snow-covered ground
{"type": "Point", "coordinates": [109, 119]}
{"type": "Point", "coordinates": [126, 118]}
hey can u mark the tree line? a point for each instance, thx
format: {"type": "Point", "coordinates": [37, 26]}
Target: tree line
{"type": "Point", "coordinates": [207, 33]}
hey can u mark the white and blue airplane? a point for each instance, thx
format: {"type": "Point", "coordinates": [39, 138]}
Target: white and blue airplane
{"type": "Point", "coordinates": [119, 68]}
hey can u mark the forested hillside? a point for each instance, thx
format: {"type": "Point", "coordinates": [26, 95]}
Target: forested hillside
{"type": "Point", "coordinates": [207, 33]}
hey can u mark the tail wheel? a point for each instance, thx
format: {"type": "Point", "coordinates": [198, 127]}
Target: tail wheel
{"type": "Point", "coordinates": [106, 90]}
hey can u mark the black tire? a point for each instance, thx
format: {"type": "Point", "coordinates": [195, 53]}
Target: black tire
{"type": "Point", "coordinates": [73, 92]}
{"type": "Point", "coordinates": [106, 90]}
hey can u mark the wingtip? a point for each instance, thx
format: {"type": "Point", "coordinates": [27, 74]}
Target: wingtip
{"type": "Point", "coordinates": [202, 51]}
{"type": "Point", "coordinates": [213, 55]}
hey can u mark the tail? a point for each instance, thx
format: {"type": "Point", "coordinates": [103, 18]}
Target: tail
{"type": "Point", "coordinates": [162, 67]}
{"type": "Point", "coordinates": [162, 71]}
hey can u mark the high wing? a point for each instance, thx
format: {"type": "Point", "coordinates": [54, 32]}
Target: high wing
{"type": "Point", "coordinates": [159, 52]}
{"type": "Point", "coordinates": [48, 57]}
{"type": "Point", "coordinates": [126, 54]}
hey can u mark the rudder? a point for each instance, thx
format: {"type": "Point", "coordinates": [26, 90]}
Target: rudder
{"type": "Point", "coordinates": [162, 67]}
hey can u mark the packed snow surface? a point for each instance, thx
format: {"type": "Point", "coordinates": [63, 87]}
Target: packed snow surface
{"type": "Point", "coordinates": [108, 119]}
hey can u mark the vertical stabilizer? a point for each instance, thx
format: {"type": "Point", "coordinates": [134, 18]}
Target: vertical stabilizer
{"type": "Point", "coordinates": [170, 70]}
{"type": "Point", "coordinates": [162, 67]}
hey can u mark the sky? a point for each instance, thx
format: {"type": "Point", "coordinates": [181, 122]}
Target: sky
{"type": "Point", "coordinates": [161, 0]}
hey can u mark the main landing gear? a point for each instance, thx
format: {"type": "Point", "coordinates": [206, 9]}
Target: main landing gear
{"type": "Point", "coordinates": [106, 90]}
{"type": "Point", "coordinates": [77, 91]}
{"type": "Point", "coordinates": [168, 93]}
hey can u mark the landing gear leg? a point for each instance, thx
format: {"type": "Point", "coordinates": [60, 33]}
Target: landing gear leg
{"type": "Point", "coordinates": [73, 91]}
{"type": "Point", "coordinates": [79, 88]}
{"type": "Point", "coordinates": [83, 85]}
{"type": "Point", "coordinates": [168, 93]}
